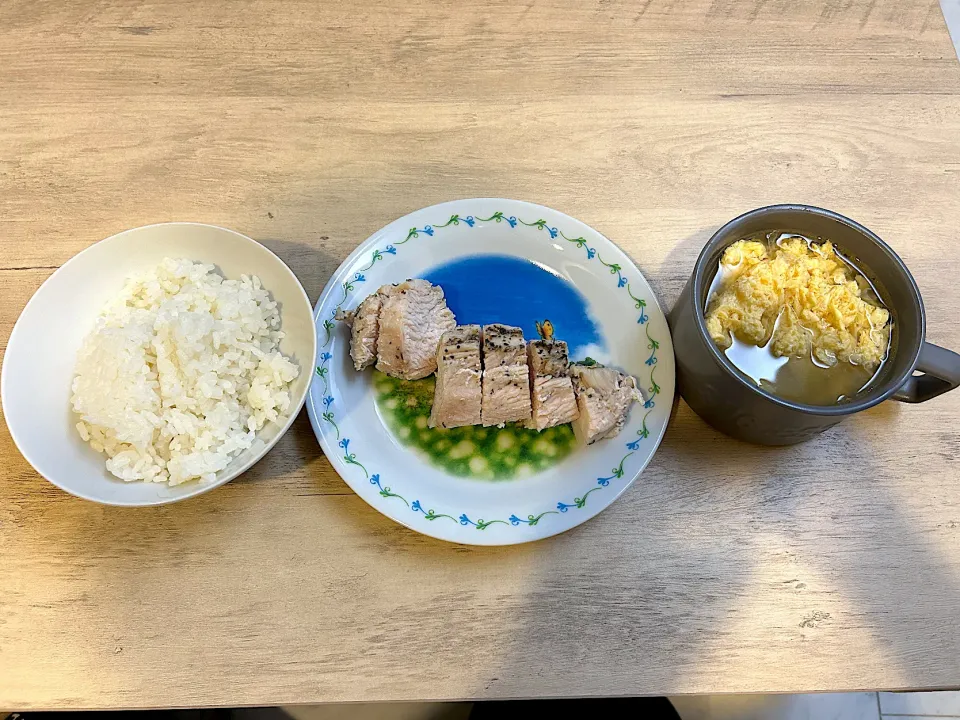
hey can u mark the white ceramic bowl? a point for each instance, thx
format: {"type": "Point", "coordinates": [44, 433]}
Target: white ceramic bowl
{"type": "Point", "coordinates": [38, 367]}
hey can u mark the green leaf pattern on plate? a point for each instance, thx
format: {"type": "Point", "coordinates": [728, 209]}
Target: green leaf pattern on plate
{"type": "Point", "coordinates": [469, 221]}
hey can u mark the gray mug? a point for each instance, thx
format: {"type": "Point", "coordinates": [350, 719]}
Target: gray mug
{"type": "Point", "coordinates": [733, 403]}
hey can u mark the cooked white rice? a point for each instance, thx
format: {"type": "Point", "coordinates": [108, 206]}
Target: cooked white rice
{"type": "Point", "coordinates": [180, 372]}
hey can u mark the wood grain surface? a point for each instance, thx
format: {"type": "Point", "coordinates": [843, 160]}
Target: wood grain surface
{"type": "Point", "coordinates": [308, 125]}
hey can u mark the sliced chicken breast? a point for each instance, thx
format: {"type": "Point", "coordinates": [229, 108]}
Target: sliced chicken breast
{"type": "Point", "coordinates": [364, 326]}
{"type": "Point", "coordinates": [456, 400]}
{"type": "Point", "coordinates": [506, 380]}
{"type": "Point", "coordinates": [552, 398]}
{"type": "Point", "coordinates": [604, 397]}
{"type": "Point", "coordinates": [413, 316]}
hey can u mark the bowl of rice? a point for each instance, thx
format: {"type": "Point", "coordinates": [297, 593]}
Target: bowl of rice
{"type": "Point", "coordinates": [158, 364]}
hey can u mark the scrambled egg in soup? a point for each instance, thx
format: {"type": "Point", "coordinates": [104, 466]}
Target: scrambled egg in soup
{"type": "Point", "coordinates": [802, 299]}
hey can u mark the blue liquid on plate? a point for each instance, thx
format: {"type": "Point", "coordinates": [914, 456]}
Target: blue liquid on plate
{"type": "Point", "coordinates": [484, 289]}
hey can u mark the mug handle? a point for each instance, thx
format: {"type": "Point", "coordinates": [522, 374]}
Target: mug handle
{"type": "Point", "coordinates": [941, 372]}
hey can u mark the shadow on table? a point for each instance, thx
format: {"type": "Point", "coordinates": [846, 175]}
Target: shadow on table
{"type": "Point", "coordinates": [677, 267]}
{"type": "Point", "coordinates": [661, 590]}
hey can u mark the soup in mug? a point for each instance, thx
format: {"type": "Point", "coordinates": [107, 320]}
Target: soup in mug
{"type": "Point", "coordinates": [798, 317]}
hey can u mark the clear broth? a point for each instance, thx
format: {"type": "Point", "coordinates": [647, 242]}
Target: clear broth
{"type": "Point", "coordinates": [802, 379]}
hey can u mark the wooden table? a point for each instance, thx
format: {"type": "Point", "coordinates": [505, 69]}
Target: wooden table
{"type": "Point", "coordinates": [833, 565]}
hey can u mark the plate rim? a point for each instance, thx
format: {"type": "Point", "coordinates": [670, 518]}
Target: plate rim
{"type": "Point", "coordinates": [334, 281]}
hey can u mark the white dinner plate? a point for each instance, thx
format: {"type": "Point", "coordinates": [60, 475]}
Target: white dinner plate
{"type": "Point", "coordinates": [498, 261]}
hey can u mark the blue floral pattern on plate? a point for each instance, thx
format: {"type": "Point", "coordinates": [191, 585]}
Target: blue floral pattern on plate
{"type": "Point", "coordinates": [391, 250]}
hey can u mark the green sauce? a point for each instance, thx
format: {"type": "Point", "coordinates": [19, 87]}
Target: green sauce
{"type": "Point", "coordinates": [487, 453]}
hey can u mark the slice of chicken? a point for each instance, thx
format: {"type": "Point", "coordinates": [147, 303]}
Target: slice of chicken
{"type": "Point", "coordinates": [604, 397]}
{"type": "Point", "coordinates": [552, 398]}
{"type": "Point", "coordinates": [364, 326]}
{"type": "Point", "coordinates": [506, 379]}
{"type": "Point", "coordinates": [413, 316]}
{"type": "Point", "coordinates": [456, 400]}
